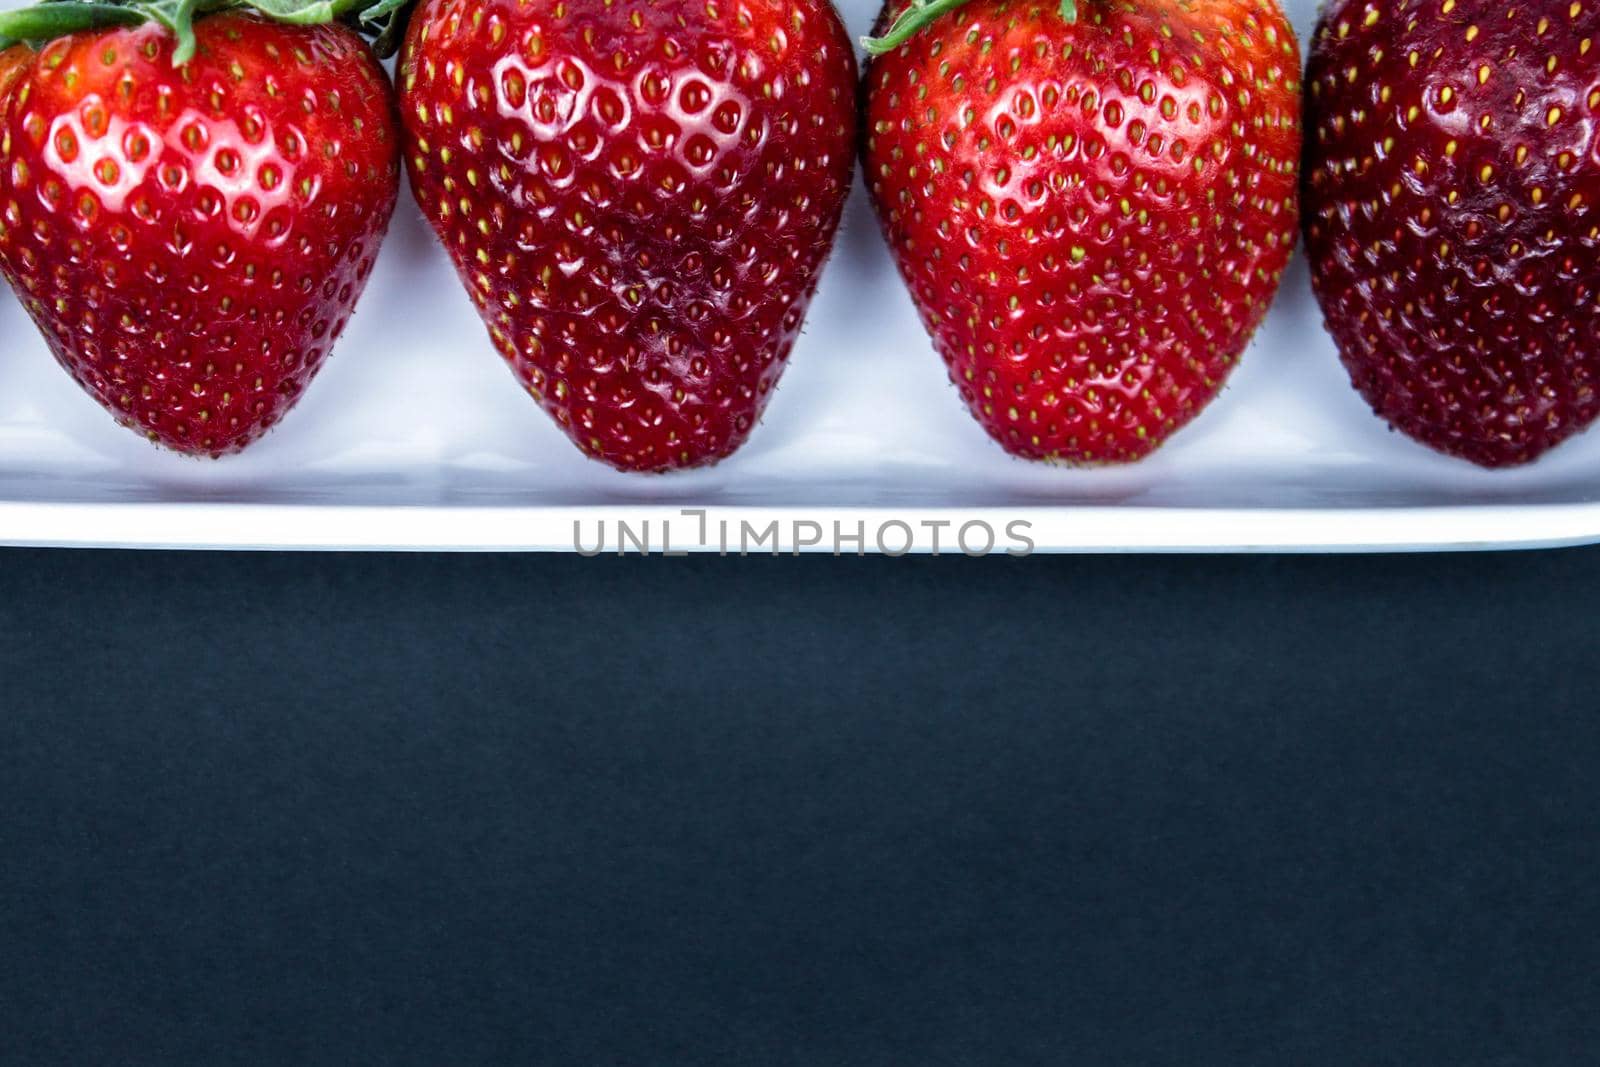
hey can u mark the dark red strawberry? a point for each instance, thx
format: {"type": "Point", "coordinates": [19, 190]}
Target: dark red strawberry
{"type": "Point", "coordinates": [639, 198]}
{"type": "Point", "coordinates": [1091, 209]}
{"type": "Point", "coordinates": [1452, 192]}
{"type": "Point", "coordinates": [191, 237]}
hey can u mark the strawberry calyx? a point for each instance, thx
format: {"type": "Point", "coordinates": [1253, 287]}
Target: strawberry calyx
{"type": "Point", "coordinates": [381, 20]}
{"type": "Point", "coordinates": [921, 12]}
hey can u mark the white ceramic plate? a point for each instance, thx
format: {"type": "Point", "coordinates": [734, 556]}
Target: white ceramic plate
{"type": "Point", "coordinates": [415, 436]}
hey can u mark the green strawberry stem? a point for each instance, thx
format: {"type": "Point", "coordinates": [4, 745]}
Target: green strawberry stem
{"type": "Point", "coordinates": [922, 12]}
{"type": "Point", "coordinates": [381, 19]}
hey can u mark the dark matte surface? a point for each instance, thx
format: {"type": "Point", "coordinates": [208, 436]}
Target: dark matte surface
{"type": "Point", "coordinates": [455, 810]}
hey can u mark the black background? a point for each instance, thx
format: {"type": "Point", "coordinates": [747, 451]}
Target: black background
{"type": "Point", "coordinates": [499, 809]}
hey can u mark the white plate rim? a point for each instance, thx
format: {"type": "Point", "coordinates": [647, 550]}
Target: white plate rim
{"type": "Point", "coordinates": [516, 528]}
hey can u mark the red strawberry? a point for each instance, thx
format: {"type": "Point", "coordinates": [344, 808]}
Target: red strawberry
{"type": "Point", "coordinates": [191, 238]}
{"type": "Point", "coordinates": [1453, 216]}
{"type": "Point", "coordinates": [12, 63]}
{"type": "Point", "coordinates": [1091, 213]}
{"type": "Point", "coordinates": [639, 198]}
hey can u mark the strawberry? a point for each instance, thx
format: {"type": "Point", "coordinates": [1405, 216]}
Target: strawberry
{"type": "Point", "coordinates": [190, 216]}
{"type": "Point", "coordinates": [639, 198]}
{"type": "Point", "coordinates": [1452, 218]}
{"type": "Point", "coordinates": [12, 62]}
{"type": "Point", "coordinates": [1091, 207]}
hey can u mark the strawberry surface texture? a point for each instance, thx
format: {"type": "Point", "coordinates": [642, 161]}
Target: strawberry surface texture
{"type": "Point", "coordinates": [1092, 216]}
{"type": "Point", "coordinates": [639, 196]}
{"type": "Point", "coordinates": [1452, 216]}
{"type": "Point", "coordinates": [192, 238]}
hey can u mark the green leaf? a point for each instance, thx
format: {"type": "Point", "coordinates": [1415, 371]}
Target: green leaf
{"type": "Point", "coordinates": [298, 12]}
{"type": "Point", "coordinates": [47, 21]}
{"type": "Point", "coordinates": [380, 11]}
{"type": "Point", "coordinates": [386, 22]}
{"type": "Point", "coordinates": [177, 16]}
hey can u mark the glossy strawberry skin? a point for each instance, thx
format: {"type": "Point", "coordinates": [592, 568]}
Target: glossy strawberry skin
{"type": "Point", "coordinates": [1092, 218]}
{"type": "Point", "coordinates": [192, 241]}
{"type": "Point", "coordinates": [1452, 195]}
{"type": "Point", "coordinates": [639, 198]}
